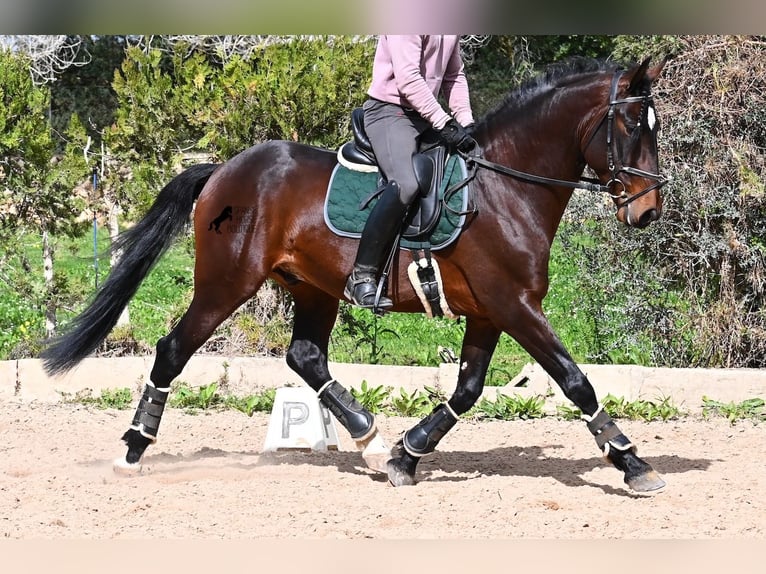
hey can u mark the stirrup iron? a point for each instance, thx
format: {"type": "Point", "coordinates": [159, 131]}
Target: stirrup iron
{"type": "Point", "coordinates": [369, 297]}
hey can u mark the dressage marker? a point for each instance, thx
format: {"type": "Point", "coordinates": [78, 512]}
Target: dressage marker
{"type": "Point", "coordinates": [300, 422]}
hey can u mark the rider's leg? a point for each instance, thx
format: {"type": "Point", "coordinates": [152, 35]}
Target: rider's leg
{"type": "Point", "coordinates": [378, 236]}
{"type": "Point", "coordinates": [393, 133]}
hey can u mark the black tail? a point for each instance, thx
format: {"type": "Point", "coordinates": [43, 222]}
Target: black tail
{"type": "Point", "coordinates": [141, 247]}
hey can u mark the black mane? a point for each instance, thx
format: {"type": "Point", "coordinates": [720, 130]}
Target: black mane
{"type": "Point", "coordinates": [553, 75]}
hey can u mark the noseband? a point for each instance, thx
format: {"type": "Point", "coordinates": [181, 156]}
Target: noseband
{"type": "Point", "coordinates": [589, 184]}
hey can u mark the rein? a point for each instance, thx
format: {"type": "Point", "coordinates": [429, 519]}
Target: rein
{"type": "Point", "coordinates": [589, 184]}
{"type": "Point", "coordinates": [585, 183]}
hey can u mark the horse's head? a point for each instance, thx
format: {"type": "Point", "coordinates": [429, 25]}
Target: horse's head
{"type": "Point", "coordinates": [621, 146]}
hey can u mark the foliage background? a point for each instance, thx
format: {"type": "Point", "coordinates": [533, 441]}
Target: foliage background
{"type": "Point", "coordinates": [688, 291]}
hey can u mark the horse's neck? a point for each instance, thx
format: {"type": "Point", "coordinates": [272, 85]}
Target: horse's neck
{"type": "Point", "coordinates": [542, 145]}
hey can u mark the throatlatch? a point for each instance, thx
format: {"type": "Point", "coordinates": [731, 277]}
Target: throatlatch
{"type": "Point", "coordinates": [607, 433]}
{"type": "Point", "coordinates": [149, 411]}
{"type": "Point", "coordinates": [353, 416]}
{"type": "Point", "coordinates": [423, 437]}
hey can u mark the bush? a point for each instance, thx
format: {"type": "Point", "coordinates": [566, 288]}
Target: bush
{"type": "Point", "coordinates": [708, 249]}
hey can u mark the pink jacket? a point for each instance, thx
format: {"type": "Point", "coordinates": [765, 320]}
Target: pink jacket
{"type": "Point", "coordinates": [413, 70]}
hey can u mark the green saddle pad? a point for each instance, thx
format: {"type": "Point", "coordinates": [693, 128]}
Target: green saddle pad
{"type": "Point", "coordinates": [348, 189]}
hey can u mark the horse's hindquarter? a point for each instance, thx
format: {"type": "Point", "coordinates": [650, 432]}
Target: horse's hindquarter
{"type": "Point", "coordinates": [268, 203]}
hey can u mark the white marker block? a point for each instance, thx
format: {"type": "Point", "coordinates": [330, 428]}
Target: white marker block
{"type": "Point", "coordinates": [299, 421]}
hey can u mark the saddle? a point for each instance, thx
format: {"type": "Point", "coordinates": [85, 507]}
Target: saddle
{"type": "Point", "coordinates": [434, 221]}
{"type": "Point", "coordinates": [428, 165]}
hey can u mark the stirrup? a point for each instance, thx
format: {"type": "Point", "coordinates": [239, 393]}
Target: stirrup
{"type": "Point", "coordinates": [363, 292]}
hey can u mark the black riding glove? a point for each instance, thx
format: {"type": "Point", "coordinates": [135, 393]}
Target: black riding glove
{"type": "Point", "coordinates": [457, 137]}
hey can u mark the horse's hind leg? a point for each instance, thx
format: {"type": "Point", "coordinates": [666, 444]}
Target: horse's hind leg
{"type": "Point", "coordinates": [208, 309]}
{"type": "Point", "coordinates": [479, 343]}
{"type": "Point", "coordinates": [314, 316]}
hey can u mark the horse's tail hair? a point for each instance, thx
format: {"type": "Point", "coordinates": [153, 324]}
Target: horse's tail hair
{"type": "Point", "coordinates": [140, 247]}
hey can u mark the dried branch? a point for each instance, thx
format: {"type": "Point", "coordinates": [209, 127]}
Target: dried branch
{"type": "Point", "coordinates": [49, 55]}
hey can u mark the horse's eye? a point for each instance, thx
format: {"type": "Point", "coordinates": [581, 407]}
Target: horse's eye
{"type": "Point", "coordinates": [631, 125]}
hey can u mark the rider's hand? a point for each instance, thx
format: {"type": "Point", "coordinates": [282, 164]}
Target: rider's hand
{"type": "Point", "coordinates": [457, 137]}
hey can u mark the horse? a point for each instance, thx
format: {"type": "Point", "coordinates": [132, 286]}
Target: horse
{"type": "Point", "coordinates": [535, 147]}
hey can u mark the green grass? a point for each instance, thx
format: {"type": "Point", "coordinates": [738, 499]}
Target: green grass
{"type": "Point", "coordinates": [753, 409]}
{"type": "Point", "coordinates": [387, 402]}
{"type": "Point", "coordinates": [506, 407]}
{"type": "Point", "coordinates": [662, 409]}
{"type": "Point", "coordinates": [119, 399]}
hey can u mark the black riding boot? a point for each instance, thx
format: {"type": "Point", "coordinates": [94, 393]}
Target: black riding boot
{"type": "Point", "coordinates": [384, 222]}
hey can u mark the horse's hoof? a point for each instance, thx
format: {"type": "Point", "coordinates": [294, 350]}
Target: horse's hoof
{"type": "Point", "coordinates": [375, 452]}
{"type": "Point", "coordinates": [399, 476]}
{"type": "Point", "coordinates": [125, 468]}
{"type": "Point", "coordinates": [647, 482]}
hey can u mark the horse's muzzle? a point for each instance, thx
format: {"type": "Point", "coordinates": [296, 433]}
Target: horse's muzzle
{"type": "Point", "coordinates": [647, 217]}
{"type": "Point", "coordinates": [625, 213]}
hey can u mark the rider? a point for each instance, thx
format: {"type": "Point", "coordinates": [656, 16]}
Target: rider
{"type": "Point", "coordinates": [409, 73]}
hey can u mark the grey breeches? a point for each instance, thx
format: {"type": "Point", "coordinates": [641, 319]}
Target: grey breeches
{"type": "Point", "coordinates": [393, 133]}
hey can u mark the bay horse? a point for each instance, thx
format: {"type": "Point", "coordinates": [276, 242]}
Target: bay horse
{"type": "Point", "coordinates": [536, 145]}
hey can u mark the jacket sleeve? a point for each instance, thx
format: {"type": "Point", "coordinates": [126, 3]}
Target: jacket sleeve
{"type": "Point", "coordinates": [455, 89]}
{"type": "Point", "coordinates": [405, 58]}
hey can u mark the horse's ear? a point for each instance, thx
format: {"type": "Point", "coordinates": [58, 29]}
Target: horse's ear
{"type": "Point", "coordinates": [653, 73]}
{"type": "Point", "coordinates": [641, 73]}
{"type": "Point", "coordinates": [635, 76]}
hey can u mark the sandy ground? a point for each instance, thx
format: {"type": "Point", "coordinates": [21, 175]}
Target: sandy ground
{"type": "Point", "coordinates": [207, 478]}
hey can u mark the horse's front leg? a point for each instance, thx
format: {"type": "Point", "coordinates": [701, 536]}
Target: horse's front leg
{"type": "Point", "coordinates": [478, 345]}
{"type": "Point", "coordinates": [533, 332]}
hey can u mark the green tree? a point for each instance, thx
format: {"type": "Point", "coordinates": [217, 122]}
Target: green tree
{"type": "Point", "coordinates": [86, 89]}
{"type": "Point", "coordinates": [303, 90]}
{"type": "Point", "coordinates": [23, 146]}
{"type": "Point", "coordinates": [505, 62]}
{"type": "Point", "coordinates": [174, 101]}
{"type": "Point", "coordinates": [162, 102]}
{"type": "Point", "coordinates": [25, 140]}
{"type": "Point", "coordinates": [37, 186]}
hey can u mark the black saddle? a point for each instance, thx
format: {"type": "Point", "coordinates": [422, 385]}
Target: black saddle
{"type": "Point", "coordinates": [428, 165]}
{"type": "Point", "coordinates": [359, 151]}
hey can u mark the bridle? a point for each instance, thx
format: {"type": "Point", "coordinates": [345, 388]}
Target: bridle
{"type": "Point", "coordinates": [589, 184]}
{"type": "Point", "coordinates": [660, 180]}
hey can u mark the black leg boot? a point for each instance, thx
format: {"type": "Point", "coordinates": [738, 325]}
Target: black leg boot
{"type": "Point", "coordinates": [378, 235]}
